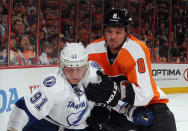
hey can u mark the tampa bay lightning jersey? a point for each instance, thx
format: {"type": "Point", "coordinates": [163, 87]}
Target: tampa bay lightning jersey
{"type": "Point", "coordinates": [57, 101]}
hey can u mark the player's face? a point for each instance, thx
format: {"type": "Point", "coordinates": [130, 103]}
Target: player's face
{"type": "Point", "coordinates": [115, 36]}
{"type": "Point", "coordinates": [75, 74]}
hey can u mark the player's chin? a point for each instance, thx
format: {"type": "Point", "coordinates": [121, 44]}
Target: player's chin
{"type": "Point", "coordinates": [74, 81]}
{"type": "Point", "coordinates": [114, 46]}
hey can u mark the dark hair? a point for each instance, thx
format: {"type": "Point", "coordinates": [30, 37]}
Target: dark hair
{"type": "Point", "coordinates": [5, 11]}
{"type": "Point", "coordinates": [20, 20]}
{"type": "Point", "coordinates": [2, 47]}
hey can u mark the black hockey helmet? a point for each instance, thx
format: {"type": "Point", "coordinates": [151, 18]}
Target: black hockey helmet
{"type": "Point", "coordinates": [117, 18]}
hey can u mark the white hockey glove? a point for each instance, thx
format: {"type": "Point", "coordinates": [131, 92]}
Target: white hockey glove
{"type": "Point", "coordinates": [139, 115]}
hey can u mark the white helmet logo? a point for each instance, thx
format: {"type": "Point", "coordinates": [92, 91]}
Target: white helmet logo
{"type": "Point", "coordinates": [74, 56]}
{"type": "Point", "coordinates": [115, 15]}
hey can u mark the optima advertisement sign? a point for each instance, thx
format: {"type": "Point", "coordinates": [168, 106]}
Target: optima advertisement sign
{"type": "Point", "coordinates": [170, 75]}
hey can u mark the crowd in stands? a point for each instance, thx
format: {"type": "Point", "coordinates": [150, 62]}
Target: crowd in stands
{"type": "Point", "coordinates": [33, 33]}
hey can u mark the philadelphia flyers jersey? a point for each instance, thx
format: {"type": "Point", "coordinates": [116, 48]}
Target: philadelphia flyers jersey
{"type": "Point", "coordinates": [132, 64]}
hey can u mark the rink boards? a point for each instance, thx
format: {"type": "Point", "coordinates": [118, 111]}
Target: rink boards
{"type": "Point", "coordinates": [172, 78]}
{"type": "Point", "coordinates": [15, 83]}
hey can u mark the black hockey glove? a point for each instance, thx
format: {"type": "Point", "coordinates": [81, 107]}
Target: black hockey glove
{"type": "Point", "coordinates": [98, 116]}
{"type": "Point", "coordinates": [106, 91]}
{"type": "Point", "coordinates": [139, 115]}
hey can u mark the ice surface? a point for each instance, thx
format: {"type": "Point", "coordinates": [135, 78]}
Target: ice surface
{"type": "Point", "coordinates": [178, 104]}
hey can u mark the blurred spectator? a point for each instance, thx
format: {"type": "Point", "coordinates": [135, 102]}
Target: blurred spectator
{"type": "Point", "coordinates": [3, 23]}
{"type": "Point", "coordinates": [1, 41]}
{"type": "Point", "coordinates": [25, 20]}
{"type": "Point", "coordinates": [186, 39]}
{"type": "Point", "coordinates": [149, 44]}
{"type": "Point", "coordinates": [28, 50]}
{"type": "Point", "coordinates": [47, 52]}
{"type": "Point", "coordinates": [149, 35]}
{"type": "Point", "coordinates": [52, 30]}
{"type": "Point", "coordinates": [162, 30]}
{"type": "Point", "coordinates": [156, 57]}
{"type": "Point", "coordinates": [72, 16]}
{"type": "Point", "coordinates": [3, 56]}
{"type": "Point", "coordinates": [22, 51]}
{"type": "Point", "coordinates": [42, 35]}
{"type": "Point", "coordinates": [163, 50]}
{"type": "Point", "coordinates": [32, 16]}
{"type": "Point", "coordinates": [97, 15]}
{"type": "Point", "coordinates": [51, 17]}
{"type": "Point", "coordinates": [16, 9]}
{"type": "Point", "coordinates": [22, 8]}
{"type": "Point", "coordinates": [19, 28]}
{"type": "Point", "coordinates": [174, 51]}
{"type": "Point", "coordinates": [147, 25]}
{"type": "Point", "coordinates": [181, 58]}
{"type": "Point", "coordinates": [157, 46]}
{"type": "Point", "coordinates": [184, 47]}
{"type": "Point", "coordinates": [163, 36]}
{"type": "Point", "coordinates": [16, 56]}
{"type": "Point", "coordinates": [67, 31]}
{"type": "Point", "coordinates": [32, 33]}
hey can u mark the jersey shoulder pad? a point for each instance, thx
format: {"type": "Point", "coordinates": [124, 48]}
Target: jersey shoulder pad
{"type": "Point", "coordinates": [98, 47]}
{"type": "Point", "coordinates": [95, 65]}
{"type": "Point", "coordinates": [49, 81]}
{"type": "Point", "coordinates": [52, 83]}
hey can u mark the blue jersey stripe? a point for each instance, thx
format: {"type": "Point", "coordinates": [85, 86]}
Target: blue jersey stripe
{"type": "Point", "coordinates": [21, 104]}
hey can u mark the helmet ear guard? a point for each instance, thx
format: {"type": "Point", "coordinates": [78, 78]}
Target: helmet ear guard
{"type": "Point", "coordinates": [73, 55]}
{"type": "Point", "coordinates": [118, 18]}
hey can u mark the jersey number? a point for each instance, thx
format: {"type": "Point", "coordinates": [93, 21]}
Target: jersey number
{"type": "Point", "coordinates": [141, 65]}
{"type": "Point", "coordinates": [36, 97]}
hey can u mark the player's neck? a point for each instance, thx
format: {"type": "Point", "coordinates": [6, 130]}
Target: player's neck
{"type": "Point", "coordinates": [111, 56]}
{"type": "Point", "coordinates": [114, 52]}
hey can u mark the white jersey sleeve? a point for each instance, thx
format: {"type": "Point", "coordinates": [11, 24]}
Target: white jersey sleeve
{"type": "Point", "coordinates": [18, 119]}
{"type": "Point", "coordinates": [43, 99]}
{"type": "Point", "coordinates": [35, 106]}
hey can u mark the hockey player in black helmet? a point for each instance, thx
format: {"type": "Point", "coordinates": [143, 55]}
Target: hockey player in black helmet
{"type": "Point", "coordinates": [126, 60]}
{"type": "Point", "coordinates": [118, 18]}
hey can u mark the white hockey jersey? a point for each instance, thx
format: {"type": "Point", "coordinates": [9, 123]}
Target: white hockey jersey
{"type": "Point", "coordinates": [59, 103]}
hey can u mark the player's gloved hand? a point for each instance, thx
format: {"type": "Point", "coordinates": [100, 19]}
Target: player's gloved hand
{"type": "Point", "coordinates": [99, 115]}
{"type": "Point", "coordinates": [139, 115]}
{"type": "Point", "coordinates": [106, 91]}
